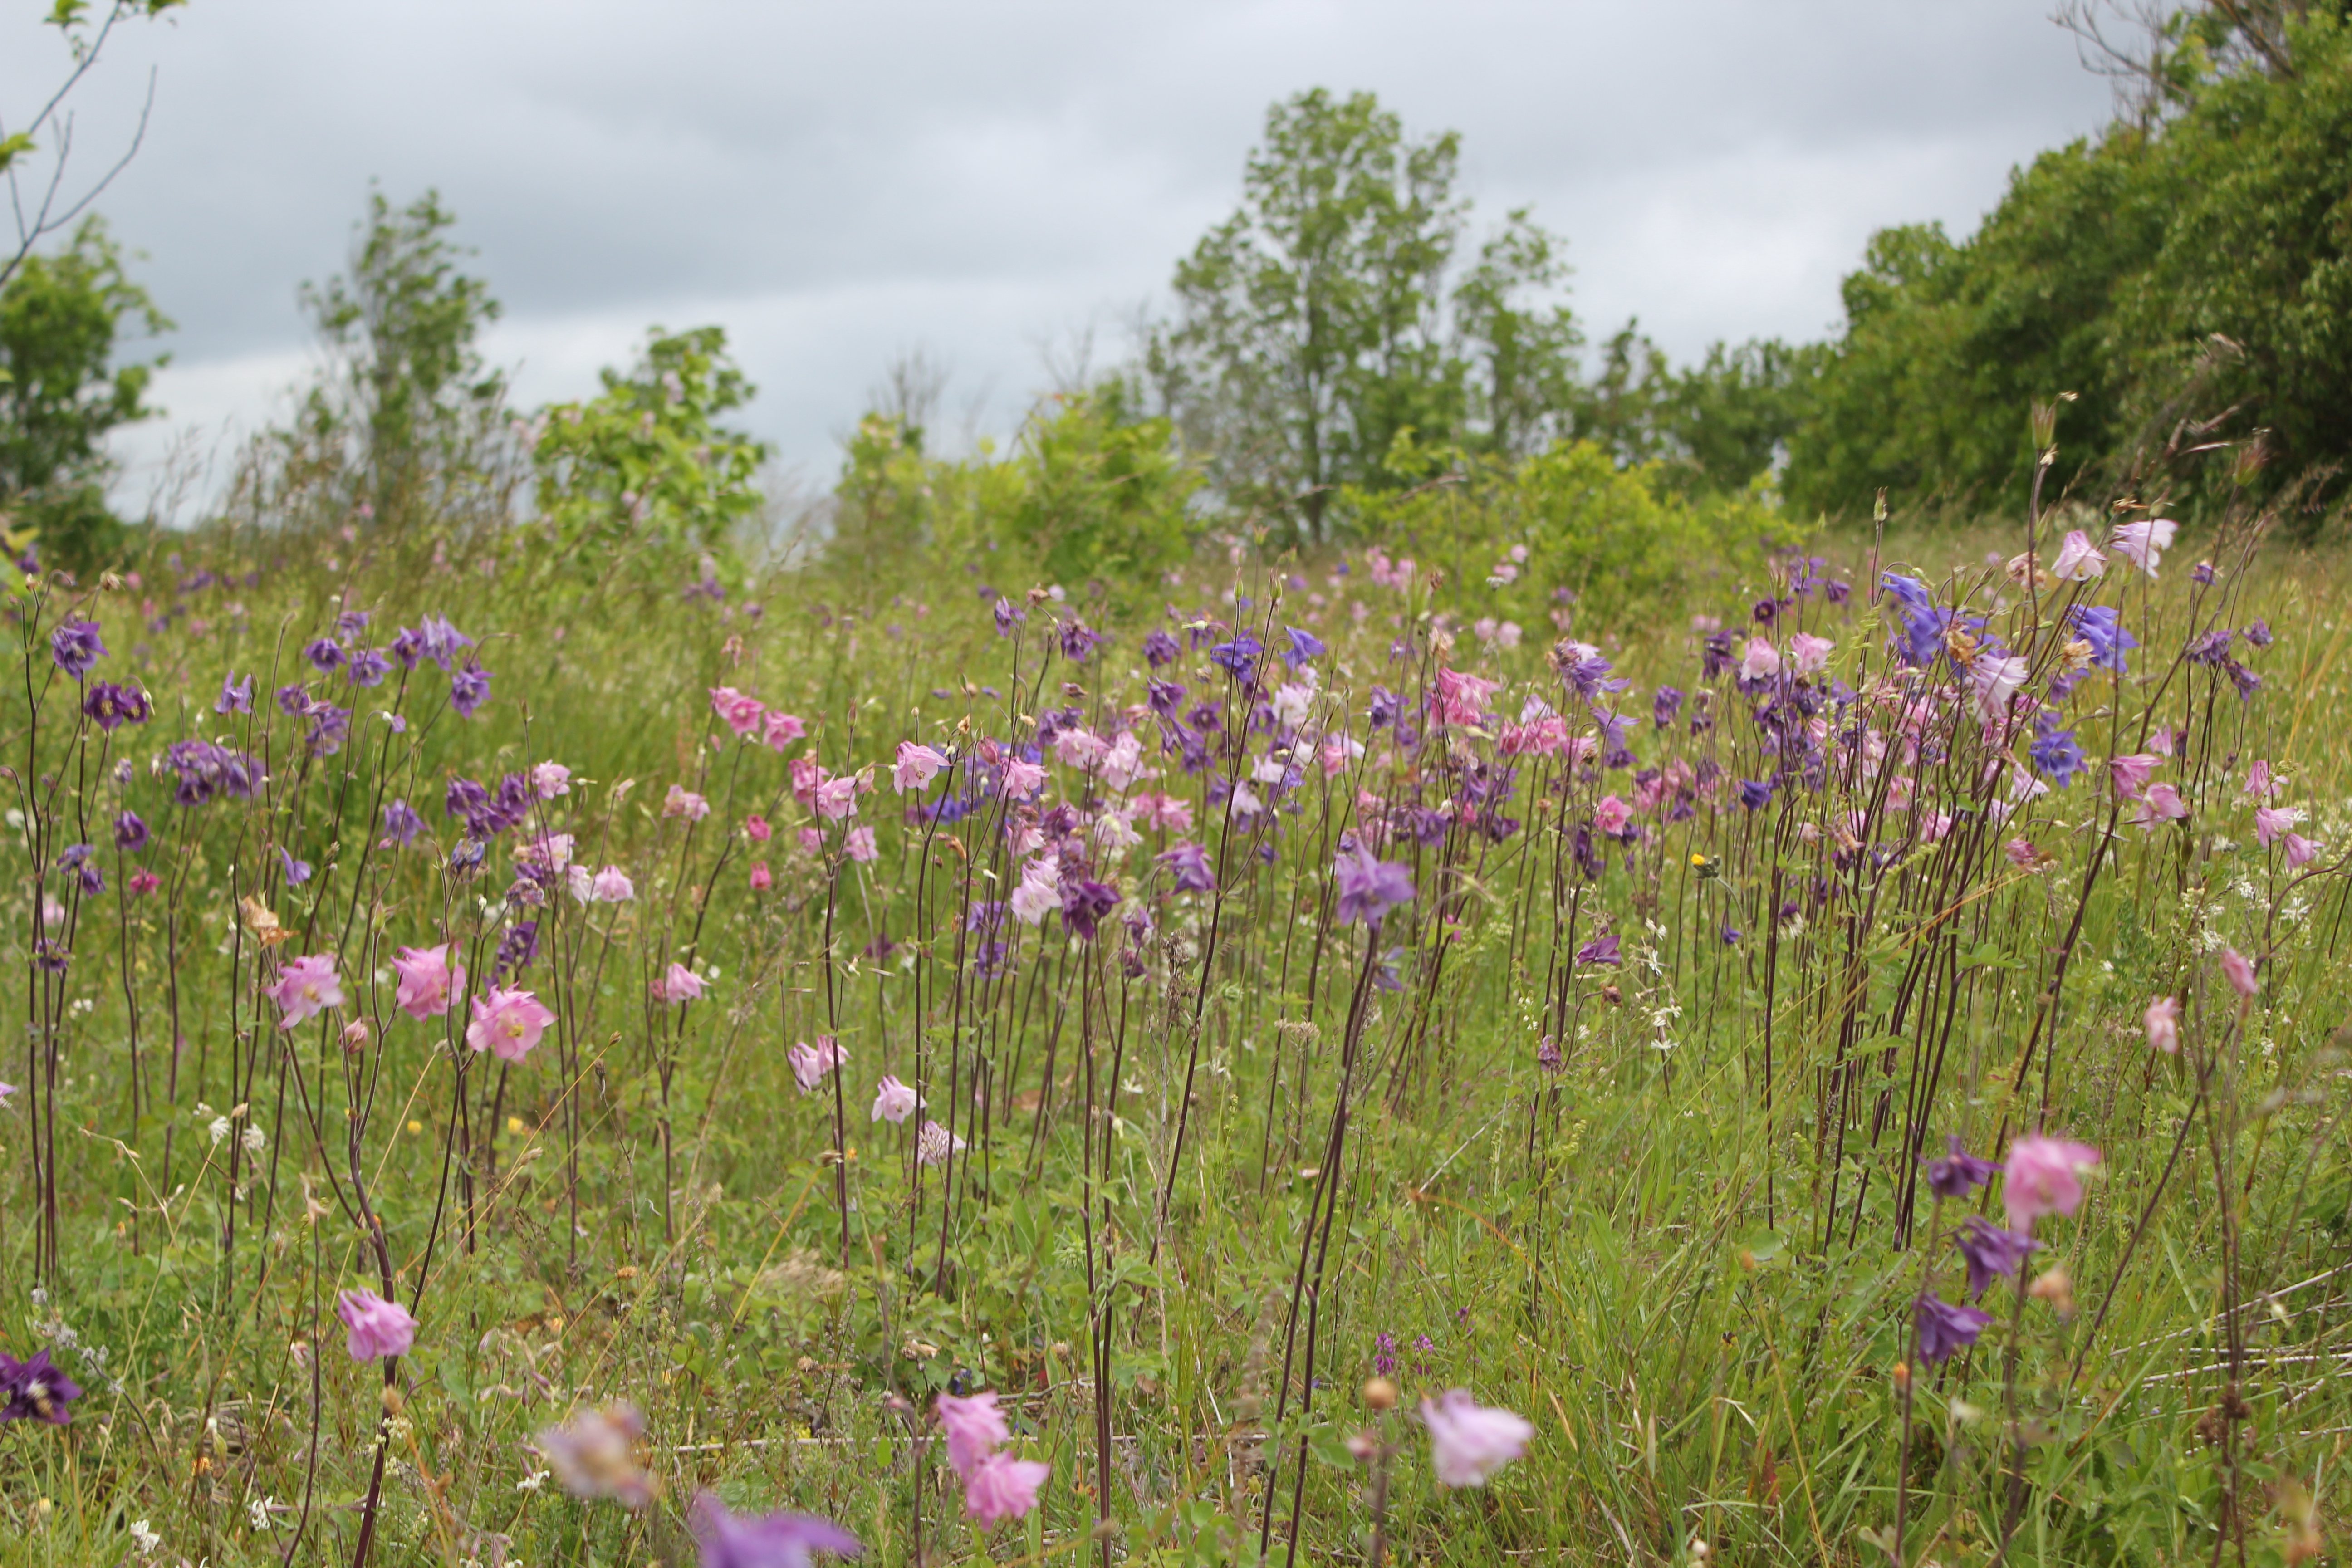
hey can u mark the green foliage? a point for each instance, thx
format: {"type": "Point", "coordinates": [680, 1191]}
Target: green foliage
{"type": "Point", "coordinates": [1617, 540]}
{"type": "Point", "coordinates": [2187, 266]}
{"type": "Point", "coordinates": [644, 477]}
{"type": "Point", "coordinates": [1103, 495]}
{"type": "Point", "coordinates": [1314, 324]}
{"type": "Point", "coordinates": [61, 317]}
{"type": "Point", "coordinates": [407, 389]}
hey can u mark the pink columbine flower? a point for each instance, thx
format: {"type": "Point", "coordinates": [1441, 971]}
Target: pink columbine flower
{"type": "Point", "coordinates": [2240, 969]}
{"type": "Point", "coordinates": [2144, 543]}
{"type": "Point", "coordinates": [934, 1144]}
{"type": "Point", "coordinates": [2259, 781]}
{"type": "Point", "coordinates": [894, 1101]}
{"type": "Point", "coordinates": [762, 878]}
{"type": "Point", "coordinates": [2021, 852]}
{"type": "Point", "coordinates": [2078, 560]}
{"type": "Point", "coordinates": [974, 1426]}
{"type": "Point", "coordinates": [2043, 1176]}
{"type": "Point", "coordinates": [430, 982]}
{"type": "Point", "coordinates": [2131, 774]}
{"type": "Point", "coordinates": [756, 828]}
{"type": "Point", "coordinates": [860, 846]}
{"type": "Point", "coordinates": [805, 776]}
{"type": "Point", "coordinates": [679, 983]}
{"type": "Point", "coordinates": [837, 799]}
{"type": "Point", "coordinates": [781, 729]}
{"type": "Point", "coordinates": [1167, 813]}
{"type": "Point", "coordinates": [739, 711]}
{"type": "Point", "coordinates": [378, 1328]}
{"type": "Point", "coordinates": [811, 1063]}
{"type": "Point", "coordinates": [2162, 1020]}
{"type": "Point", "coordinates": [1002, 1487]}
{"type": "Point", "coordinates": [1934, 827]}
{"type": "Point", "coordinates": [1994, 680]}
{"type": "Point", "coordinates": [142, 883]}
{"type": "Point", "coordinates": [917, 767]}
{"type": "Point", "coordinates": [1022, 779]}
{"type": "Point", "coordinates": [1809, 654]}
{"type": "Point", "coordinates": [2270, 821]}
{"type": "Point", "coordinates": [2161, 804]}
{"type": "Point", "coordinates": [1469, 1442]}
{"type": "Point", "coordinates": [1611, 816]}
{"type": "Point", "coordinates": [2300, 851]}
{"type": "Point", "coordinates": [683, 801]}
{"type": "Point", "coordinates": [508, 1024]}
{"type": "Point", "coordinates": [548, 780]}
{"type": "Point", "coordinates": [612, 886]}
{"type": "Point", "coordinates": [1762, 659]}
{"type": "Point", "coordinates": [306, 987]}
{"type": "Point", "coordinates": [812, 842]}
{"type": "Point", "coordinates": [1039, 894]}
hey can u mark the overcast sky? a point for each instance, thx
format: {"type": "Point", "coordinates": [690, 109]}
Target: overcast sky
{"type": "Point", "coordinates": [841, 183]}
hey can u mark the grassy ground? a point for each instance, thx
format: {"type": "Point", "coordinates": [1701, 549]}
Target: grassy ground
{"type": "Point", "coordinates": [1223, 1168]}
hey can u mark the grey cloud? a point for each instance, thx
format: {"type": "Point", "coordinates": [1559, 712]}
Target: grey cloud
{"type": "Point", "coordinates": [838, 183]}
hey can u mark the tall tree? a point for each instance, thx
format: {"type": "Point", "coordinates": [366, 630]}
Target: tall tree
{"type": "Point", "coordinates": [1307, 331]}
{"type": "Point", "coordinates": [62, 316]}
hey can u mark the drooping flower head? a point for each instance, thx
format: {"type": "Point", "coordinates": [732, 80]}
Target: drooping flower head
{"type": "Point", "coordinates": [1945, 1329]}
{"type": "Point", "coordinates": [1958, 1172]}
{"type": "Point", "coordinates": [378, 1328]}
{"type": "Point", "coordinates": [974, 1427]}
{"type": "Point", "coordinates": [306, 987]}
{"type": "Point", "coordinates": [1468, 1442]}
{"type": "Point", "coordinates": [915, 767]}
{"type": "Point", "coordinates": [595, 1455]}
{"type": "Point", "coordinates": [35, 1389]}
{"type": "Point", "coordinates": [775, 1541]}
{"type": "Point", "coordinates": [812, 1063]}
{"type": "Point", "coordinates": [1989, 1251]}
{"type": "Point", "coordinates": [679, 984]}
{"type": "Point", "coordinates": [2144, 543]}
{"type": "Point", "coordinates": [75, 646]}
{"type": "Point", "coordinates": [739, 711]}
{"type": "Point", "coordinates": [1370, 887]}
{"type": "Point", "coordinates": [430, 982]}
{"type": "Point", "coordinates": [894, 1101]}
{"type": "Point", "coordinates": [2044, 1175]}
{"type": "Point", "coordinates": [2101, 626]}
{"type": "Point", "coordinates": [2162, 1021]}
{"type": "Point", "coordinates": [508, 1023]}
{"type": "Point", "coordinates": [1002, 1487]}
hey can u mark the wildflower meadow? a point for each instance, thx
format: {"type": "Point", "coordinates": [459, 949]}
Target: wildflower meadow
{"type": "Point", "coordinates": [1290, 1066]}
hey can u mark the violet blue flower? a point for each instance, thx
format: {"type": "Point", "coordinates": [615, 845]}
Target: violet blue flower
{"type": "Point", "coordinates": [1370, 887]}
{"type": "Point", "coordinates": [1989, 1251]}
{"type": "Point", "coordinates": [75, 646]}
{"type": "Point", "coordinates": [1945, 1329]}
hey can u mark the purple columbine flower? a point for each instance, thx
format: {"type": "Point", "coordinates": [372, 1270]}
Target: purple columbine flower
{"type": "Point", "coordinates": [1304, 647]}
{"type": "Point", "coordinates": [401, 824]}
{"type": "Point", "coordinates": [36, 1390]}
{"type": "Point", "coordinates": [1079, 641]}
{"type": "Point", "coordinates": [1238, 658]}
{"type": "Point", "coordinates": [2212, 649]}
{"type": "Point", "coordinates": [1602, 950]}
{"type": "Point", "coordinates": [777, 1541]}
{"type": "Point", "coordinates": [296, 871]}
{"type": "Point", "coordinates": [294, 701]}
{"type": "Point", "coordinates": [235, 696]}
{"type": "Point", "coordinates": [439, 641]}
{"type": "Point", "coordinates": [1755, 794]}
{"type": "Point", "coordinates": [1160, 650]}
{"type": "Point", "coordinates": [75, 644]}
{"type": "Point", "coordinates": [2101, 626]}
{"type": "Point", "coordinates": [2055, 754]}
{"type": "Point", "coordinates": [367, 667]}
{"type": "Point", "coordinates": [1989, 1251]}
{"type": "Point", "coordinates": [1370, 887]}
{"type": "Point", "coordinates": [352, 625]}
{"type": "Point", "coordinates": [325, 654]}
{"type": "Point", "coordinates": [1188, 864]}
{"type": "Point", "coordinates": [1945, 1329]}
{"type": "Point", "coordinates": [517, 949]}
{"type": "Point", "coordinates": [1083, 904]}
{"type": "Point", "coordinates": [130, 833]}
{"type": "Point", "coordinates": [1664, 705]}
{"type": "Point", "coordinates": [1958, 1172]}
{"type": "Point", "coordinates": [1008, 616]}
{"type": "Point", "coordinates": [330, 727]}
{"type": "Point", "coordinates": [206, 770]}
{"type": "Point", "coordinates": [109, 705]}
{"type": "Point", "coordinates": [82, 861]}
{"type": "Point", "coordinates": [468, 689]}
{"type": "Point", "coordinates": [2259, 633]}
